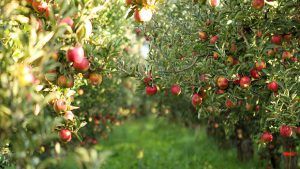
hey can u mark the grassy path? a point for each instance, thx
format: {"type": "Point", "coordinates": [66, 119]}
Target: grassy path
{"type": "Point", "coordinates": [156, 144]}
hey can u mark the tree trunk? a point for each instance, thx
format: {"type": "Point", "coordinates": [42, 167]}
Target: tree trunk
{"type": "Point", "coordinates": [244, 145]}
{"type": "Point", "coordinates": [290, 156]}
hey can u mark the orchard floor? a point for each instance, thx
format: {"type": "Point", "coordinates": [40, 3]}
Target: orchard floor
{"type": "Point", "coordinates": [154, 143]}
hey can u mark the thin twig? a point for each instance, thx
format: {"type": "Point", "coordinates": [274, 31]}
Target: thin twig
{"type": "Point", "coordinates": [184, 69]}
{"type": "Point", "coordinates": [245, 39]}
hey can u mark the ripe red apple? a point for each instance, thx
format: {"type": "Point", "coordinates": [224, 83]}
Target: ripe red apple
{"type": "Point", "coordinates": [214, 3]}
{"type": "Point", "coordinates": [175, 89]}
{"type": "Point", "coordinates": [61, 81]}
{"type": "Point", "coordinates": [65, 135]}
{"type": "Point", "coordinates": [214, 39]}
{"type": "Point", "coordinates": [276, 39]}
{"type": "Point", "coordinates": [293, 59]}
{"type": "Point", "coordinates": [255, 73]}
{"type": "Point", "coordinates": [95, 79]}
{"type": "Point", "coordinates": [67, 20]}
{"type": "Point", "coordinates": [235, 61]}
{"type": "Point", "coordinates": [266, 137]}
{"type": "Point", "coordinates": [60, 105]}
{"type": "Point", "coordinates": [196, 100]}
{"type": "Point", "coordinates": [249, 107]}
{"type": "Point", "coordinates": [75, 54]}
{"type": "Point", "coordinates": [40, 7]}
{"type": "Point", "coordinates": [229, 104]}
{"type": "Point", "coordinates": [222, 83]}
{"type": "Point", "coordinates": [151, 90]}
{"type": "Point", "coordinates": [47, 12]}
{"type": "Point", "coordinates": [215, 55]}
{"type": "Point", "coordinates": [287, 37]}
{"type": "Point", "coordinates": [297, 130]}
{"type": "Point", "coordinates": [203, 36]}
{"type": "Point", "coordinates": [286, 55]}
{"type": "Point", "coordinates": [286, 131]}
{"type": "Point", "coordinates": [237, 79]}
{"type": "Point", "coordinates": [257, 108]}
{"type": "Point", "coordinates": [128, 2]}
{"type": "Point", "coordinates": [259, 34]}
{"type": "Point", "coordinates": [233, 48]}
{"type": "Point", "coordinates": [83, 66]}
{"type": "Point", "coordinates": [143, 15]}
{"type": "Point", "coordinates": [245, 82]}
{"type": "Point", "coordinates": [147, 80]}
{"type": "Point", "coordinates": [230, 60]}
{"type": "Point", "coordinates": [258, 4]}
{"type": "Point", "coordinates": [69, 82]}
{"type": "Point", "coordinates": [220, 91]}
{"type": "Point", "coordinates": [270, 52]}
{"type": "Point", "coordinates": [69, 115]}
{"type": "Point", "coordinates": [138, 31]}
{"type": "Point", "coordinates": [93, 141]}
{"type": "Point", "coordinates": [273, 86]}
{"type": "Point", "coordinates": [260, 65]}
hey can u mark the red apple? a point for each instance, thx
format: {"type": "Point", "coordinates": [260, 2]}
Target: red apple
{"type": "Point", "coordinates": [286, 55]}
{"type": "Point", "coordinates": [286, 131]}
{"type": "Point", "coordinates": [259, 34]}
{"type": "Point", "coordinates": [67, 20]}
{"type": "Point", "coordinates": [128, 2]}
{"type": "Point", "coordinates": [138, 30]}
{"type": "Point", "coordinates": [196, 100]}
{"type": "Point", "coordinates": [147, 80]}
{"type": "Point", "coordinates": [233, 48]}
{"type": "Point", "coordinates": [220, 91]}
{"type": "Point", "coordinates": [276, 39]}
{"type": "Point", "coordinates": [266, 137]}
{"type": "Point", "coordinates": [65, 135]}
{"type": "Point", "coordinates": [70, 82]}
{"type": "Point", "coordinates": [69, 115]}
{"type": "Point", "coordinates": [229, 104]}
{"type": "Point", "coordinates": [297, 130]}
{"type": "Point", "coordinates": [83, 66]}
{"type": "Point", "coordinates": [245, 82]}
{"type": "Point", "coordinates": [61, 81]}
{"type": "Point", "coordinates": [214, 3]}
{"type": "Point", "coordinates": [222, 83]}
{"type": "Point", "coordinates": [255, 73]}
{"type": "Point", "coordinates": [258, 4]}
{"type": "Point", "coordinates": [203, 36]}
{"type": "Point", "coordinates": [270, 52]}
{"type": "Point", "coordinates": [151, 90]}
{"type": "Point", "coordinates": [260, 65]}
{"type": "Point", "coordinates": [40, 7]}
{"type": "Point", "coordinates": [213, 40]}
{"type": "Point", "coordinates": [175, 89]}
{"type": "Point", "coordinates": [293, 59]}
{"type": "Point", "coordinates": [287, 37]}
{"type": "Point", "coordinates": [273, 86]}
{"type": "Point", "coordinates": [143, 15]}
{"type": "Point", "coordinates": [230, 60]}
{"type": "Point", "coordinates": [249, 107]}
{"type": "Point", "coordinates": [215, 55]}
{"type": "Point", "coordinates": [95, 79]}
{"type": "Point", "coordinates": [60, 105]}
{"type": "Point", "coordinates": [75, 54]}
{"type": "Point", "coordinates": [257, 108]}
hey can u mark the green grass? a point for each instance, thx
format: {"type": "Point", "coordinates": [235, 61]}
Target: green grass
{"type": "Point", "coordinates": [153, 143]}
